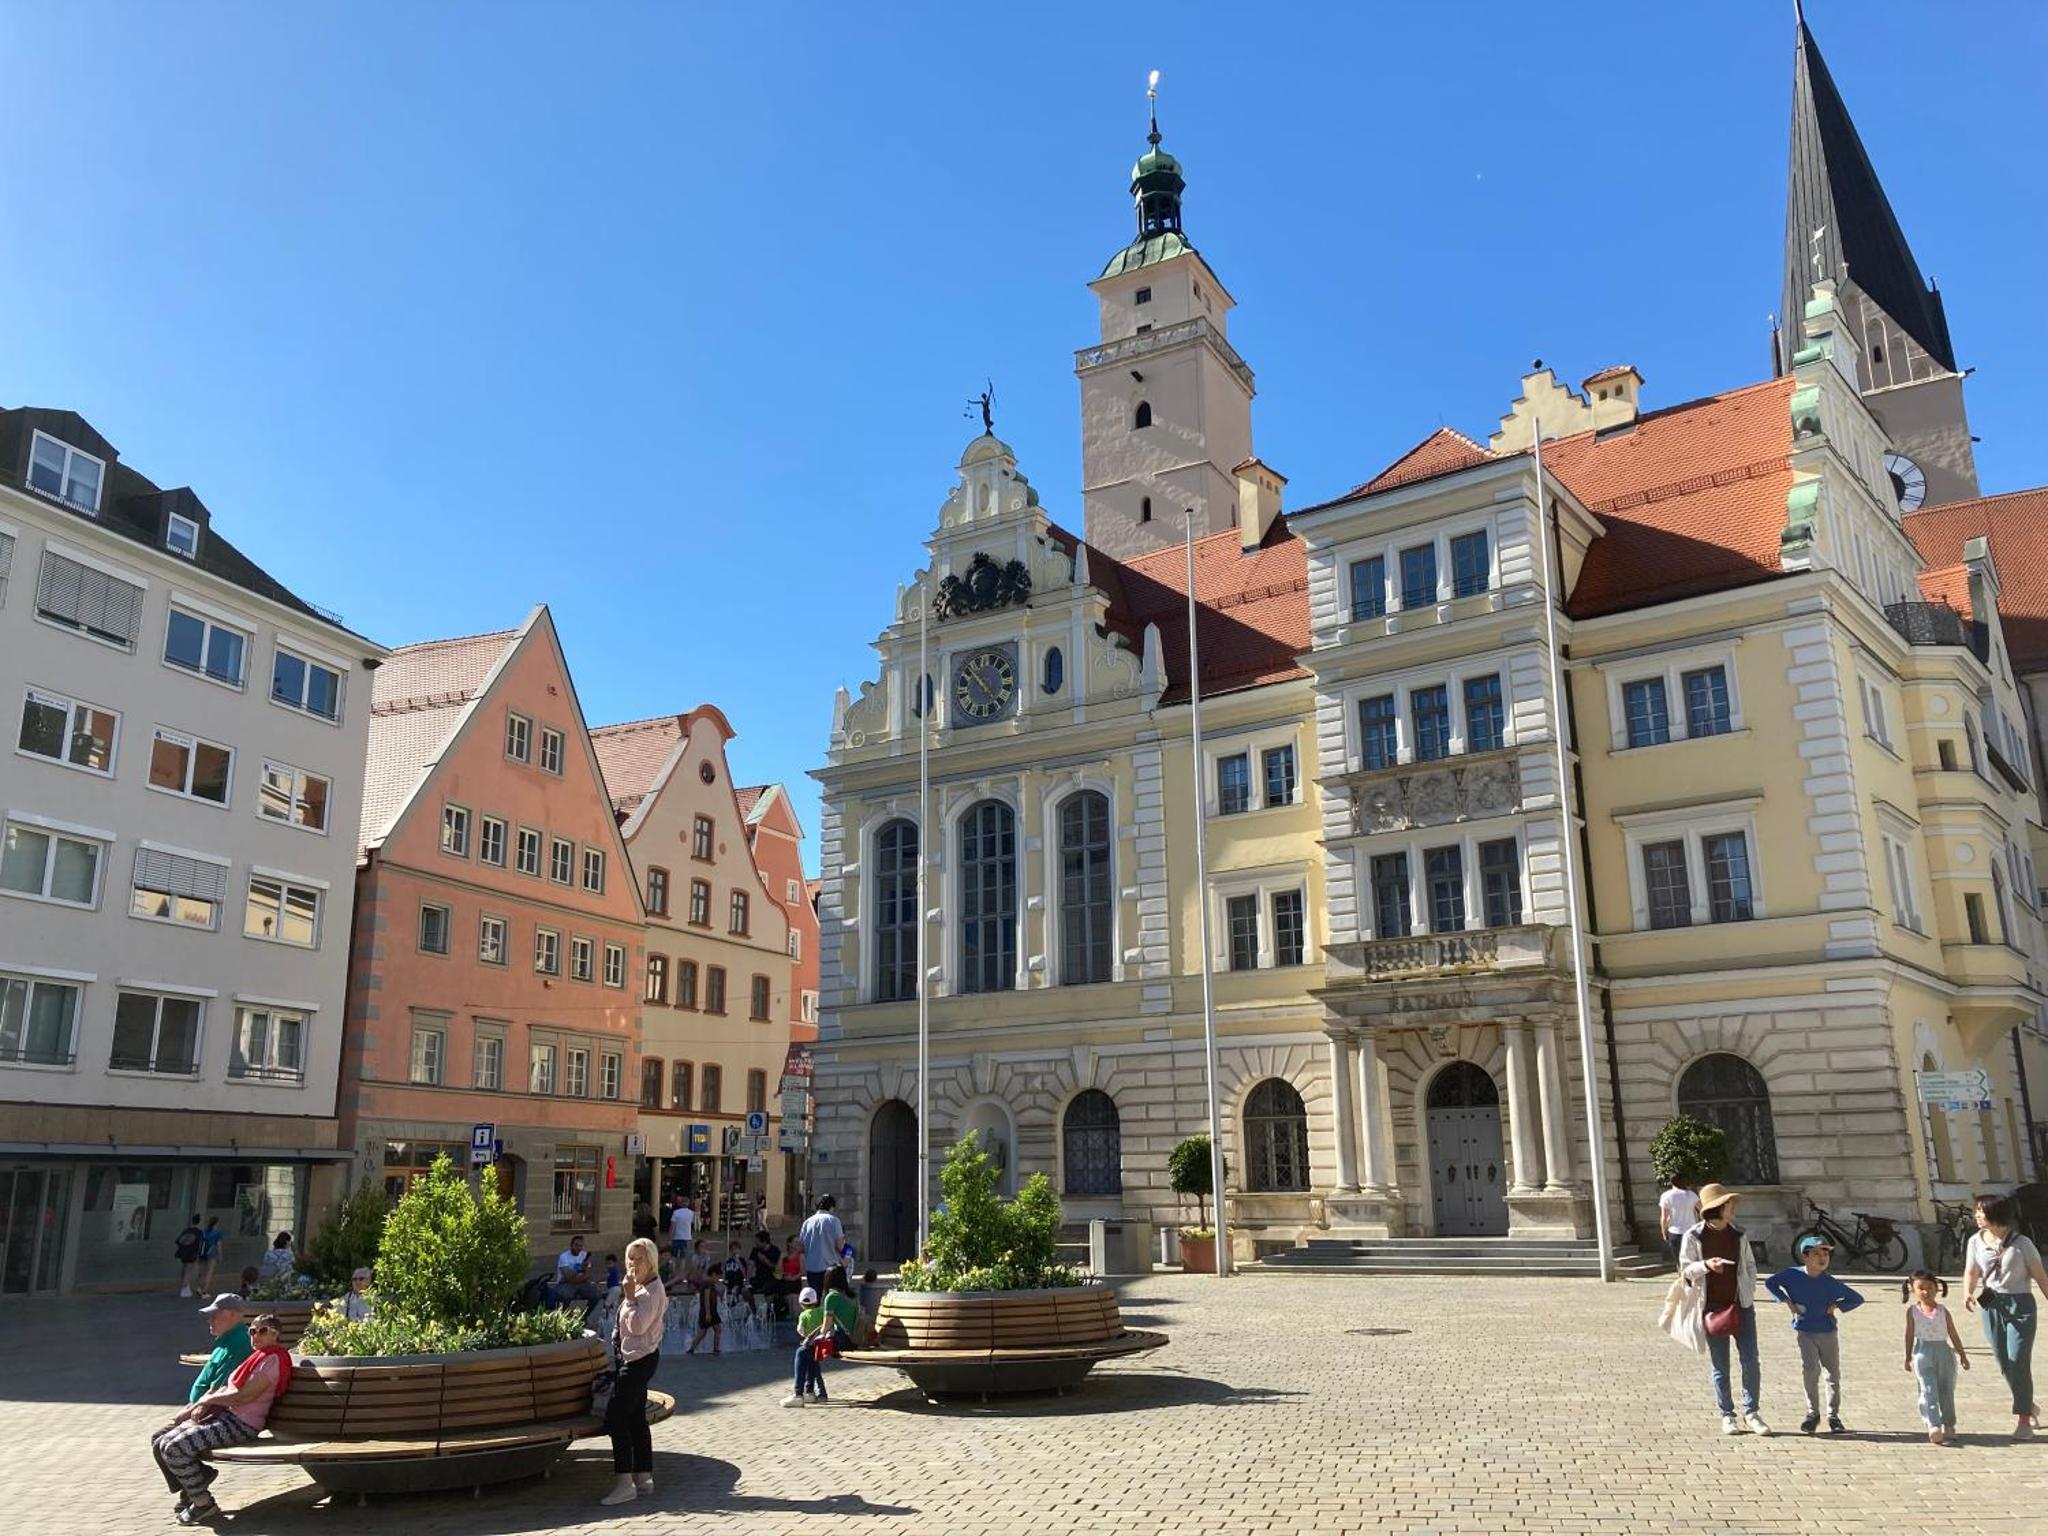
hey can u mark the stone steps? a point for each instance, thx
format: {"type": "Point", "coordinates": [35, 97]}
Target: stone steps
{"type": "Point", "coordinates": [1458, 1256]}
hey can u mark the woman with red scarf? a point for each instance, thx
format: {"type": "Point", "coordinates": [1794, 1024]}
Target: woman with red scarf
{"type": "Point", "coordinates": [229, 1415]}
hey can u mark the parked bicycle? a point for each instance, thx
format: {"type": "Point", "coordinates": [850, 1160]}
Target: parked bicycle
{"type": "Point", "coordinates": [1874, 1240]}
{"type": "Point", "coordinates": [1954, 1225]}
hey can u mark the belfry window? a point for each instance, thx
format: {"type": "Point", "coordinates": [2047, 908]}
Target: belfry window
{"type": "Point", "coordinates": [1142, 417]}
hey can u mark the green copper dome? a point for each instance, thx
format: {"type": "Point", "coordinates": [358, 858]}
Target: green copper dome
{"type": "Point", "coordinates": [1154, 162]}
{"type": "Point", "coordinates": [1156, 186]}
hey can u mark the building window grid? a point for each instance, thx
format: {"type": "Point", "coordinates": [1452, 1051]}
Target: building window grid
{"type": "Point", "coordinates": [1471, 564]}
{"type": "Point", "coordinates": [582, 960]}
{"type": "Point", "coordinates": [69, 474]}
{"type": "Point", "coordinates": [682, 1085]}
{"type": "Point", "coordinates": [1379, 732]}
{"type": "Point", "coordinates": [686, 984]}
{"type": "Point", "coordinates": [701, 839]}
{"type": "Point", "coordinates": [758, 999]}
{"type": "Point", "coordinates": [1444, 872]}
{"type": "Point", "coordinates": [429, 1052]}
{"type": "Point", "coordinates": [455, 831]}
{"type": "Point", "coordinates": [1430, 708]}
{"type": "Point", "coordinates": [518, 738]}
{"type": "Point", "coordinates": [297, 682]}
{"type": "Point", "coordinates": [562, 861]}
{"type": "Point", "coordinates": [1392, 914]}
{"type": "Point", "coordinates": [713, 1080]}
{"type": "Point", "coordinates": [38, 1021]}
{"type": "Point", "coordinates": [1290, 928]}
{"type": "Point", "coordinates": [988, 883]}
{"type": "Point", "coordinates": [490, 840]}
{"type": "Point", "coordinates": [615, 965]}
{"type": "Point", "coordinates": [156, 1032]}
{"type": "Point", "coordinates": [657, 980]}
{"type": "Point", "coordinates": [281, 912]}
{"type": "Point", "coordinates": [1500, 882]}
{"type": "Point", "coordinates": [1418, 576]}
{"type": "Point", "coordinates": [547, 952]}
{"type": "Point", "coordinates": [576, 1073]}
{"type": "Point", "coordinates": [593, 871]}
{"type": "Point", "coordinates": [195, 643]}
{"type": "Point", "coordinates": [1706, 698]}
{"type": "Point", "coordinates": [490, 940]}
{"type": "Point", "coordinates": [1233, 784]}
{"type": "Point", "coordinates": [191, 767]}
{"type": "Point", "coordinates": [1280, 774]}
{"type": "Point", "coordinates": [434, 924]}
{"type": "Point", "coordinates": [657, 892]}
{"type": "Point", "coordinates": [487, 1066]}
{"type": "Point", "coordinates": [550, 750]}
{"type": "Point", "coordinates": [714, 989]}
{"type": "Point", "coordinates": [740, 915]}
{"type": "Point", "coordinates": [1707, 712]}
{"type": "Point", "coordinates": [895, 916]}
{"type": "Point", "coordinates": [526, 852]}
{"type": "Point", "coordinates": [1087, 891]}
{"type": "Point", "coordinates": [44, 864]}
{"type": "Point", "coordinates": [1091, 1146]}
{"type": "Point", "coordinates": [1241, 930]}
{"type": "Point", "coordinates": [1649, 716]}
{"type": "Point", "coordinates": [1276, 1138]}
{"type": "Point", "coordinates": [540, 1068]}
{"type": "Point", "coordinates": [1368, 588]}
{"type": "Point", "coordinates": [757, 1091]}
{"type": "Point", "coordinates": [1665, 884]}
{"type": "Point", "coordinates": [1485, 714]}
{"type": "Point", "coordinates": [700, 903]}
{"type": "Point", "coordinates": [611, 1071]}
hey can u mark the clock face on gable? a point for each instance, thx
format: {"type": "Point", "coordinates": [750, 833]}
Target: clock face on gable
{"type": "Point", "coordinates": [1909, 481]}
{"type": "Point", "coordinates": [984, 684]}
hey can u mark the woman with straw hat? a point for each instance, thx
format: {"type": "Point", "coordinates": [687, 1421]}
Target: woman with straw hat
{"type": "Point", "coordinates": [1714, 1256]}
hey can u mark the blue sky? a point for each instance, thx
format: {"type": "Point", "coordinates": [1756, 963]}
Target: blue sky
{"type": "Point", "coordinates": [666, 315]}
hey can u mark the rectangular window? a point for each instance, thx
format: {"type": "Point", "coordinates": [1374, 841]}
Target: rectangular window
{"type": "Point", "coordinates": [294, 796]}
{"type": "Point", "coordinates": [1233, 784]}
{"type": "Point", "coordinates": [582, 960]}
{"type": "Point", "coordinates": [198, 644]}
{"type": "Point", "coordinates": [185, 765]}
{"type": "Point", "coordinates": [1665, 884]}
{"type": "Point", "coordinates": [682, 1084]}
{"type": "Point", "coordinates": [686, 984]}
{"type": "Point", "coordinates": [593, 870]}
{"type": "Point", "coordinates": [1277, 764]}
{"type": "Point", "coordinates": [282, 912]}
{"type": "Point", "coordinates": [700, 903]}
{"type": "Point", "coordinates": [38, 1021]}
{"type": "Point", "coordinates": [714, 989]}
{"type": "Point", "coordinates": [650, 1082]}
{"type": "Point", "coordinates": [1432, 710]}
{"type": "Point", "coordinates": [615, 965]}
{"type": "Point", "coordinates": [488, 1063]}
{"type": "Point", "coordinates": [739, 913]}
{"type": "Point", "coordinates": [657, 979]}
{"type": "Point", "coordinates": [64, 730]}
{"type": "Point", "coordinates": [1142, 296]}
{"type": "Point", "coordinates": [657, 893]}
{"type": "Point", "coordinates": [713, 1084]}
{"type": "Point", "coordinates": [433, 929]}
{"type": "Point", "coordinates": [269, 1046]}
{"type": "Point", "coordinates": [576, 1077]}
{"type": "Point", "coordinates": [1485, 714]}
{"type": "Point", "coordinates": [1898, 868]}
{"type": "Point", "coordinates": [575, 1203]}
{"type": "Point", "coordinates": [757, 1092]}
{"type": "Point", "coordinates": [455, 831]}
{"type": "Point", "coordinates": [181, 536]}
{"type": "Point", "coordinates": [1706, 701]}
{"type": "Point", "coordinates": [90, 601]}
{"type": "Point", "coordinates": [70, 474]}
{"type": "Point", "coordinates": [1368, 588]}
{"type": "Point", "coordinates": [1444, 868]}
{"type": "Point", "coordinates": [490, 840]}
{"type": "Point", "coordinates": [561, 861]}
{"type": "Point", "coordinates": [796, 943]}
{"type": "Point", "coordinates": [1393, 915]}
{"type": "Point", "coordinates": [1471, 564]}
{"type": "Point", "coordinates": [1648, 714]}
{"type": "Point", "coordinates": [1241, 930]}
{"type": "Point", "coordinates": [50, 866]}
{"type": "Point", "coordinates": [547, 952]}
{"type": "Point", "coordinates": [518, 738]}
{"type": "Point", "coordinates": [540, 1069]}
{"type": "Point", "coordinates": [303, 684]}
{"type": "Point", "coordinates": [1728, 889]}
{"type": "Point", "coordinates": [1378, 732]}
{"type": "Point", "coordinates": [611, 1071]}
{"type": "Point", "coordinates": [526, 852]}
{"type": "Point", "coordinates": [1500, 882]}
{"type": "Point", "coordinates": [550, 750]}
{"type": "Point", "coordinates": [757, 999]}
{"type": "Point", "coordinates": [153, 1033]}
{"type": "Point", "coordinates": [1418, 576]}
{"type": "Point", "coordinates": [1973, 916]}
{"type": "Point", "coordinates": [490, 940]}
{"type": "Point", "coordinates": [700, 838]}
{"type": "Point", "coordinates": [177, 888]}
{"type": "Point", "coordinates": [1290, 937]}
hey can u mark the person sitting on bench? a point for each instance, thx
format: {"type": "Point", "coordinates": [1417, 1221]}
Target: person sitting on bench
{"type": "Point", "coordinates": [233, 1414]}
{"type": "Point", "coordinates": [573, 1280]}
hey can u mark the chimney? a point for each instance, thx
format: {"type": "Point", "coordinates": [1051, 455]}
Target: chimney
{"type": "Point", "coordinates": [1614, 395]}
{"type": "Point", "coordinates": [1258, 502]}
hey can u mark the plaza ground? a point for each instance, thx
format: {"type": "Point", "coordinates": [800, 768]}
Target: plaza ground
{"type": "Point", "coordinates": [1282, 1403]}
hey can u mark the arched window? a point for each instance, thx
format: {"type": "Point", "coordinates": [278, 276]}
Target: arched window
{"type": "Point", "coordinates": [1092, 1145]}
{"type": "Point", "coordinates": [1727, 1091]}
{"type": "Point", "coordinates": [686, 983]}
{"type": "Point", "coordinates": [988, 898]}
{"type": "Point", "coordinates": [895, 888]}
{"type": "Point", "coordinates": [1085, 888]}
{"type": "Point", "coordinates": [1275, 1139]}
{"type": "Point", "coordinates": [1055, 670]}
{"type": "Point", "coordinates": [1145, 510]}
{"type": "Point", "coordinates": [1142, 416]}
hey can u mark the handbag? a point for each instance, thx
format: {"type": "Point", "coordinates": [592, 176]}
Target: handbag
{"type": "Point", "coordinates": [1724, 1322]}
{"type": "Point", "coordinates": [827, 1346]}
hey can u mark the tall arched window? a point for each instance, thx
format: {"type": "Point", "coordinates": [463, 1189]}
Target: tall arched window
{"type": "Point", "coordinates": [1142, 416]}
{"type": "Point", "coordinates": [1085, 888]}
{"type": "Point", "coordinates": [895, 888]}
{"type": "Point", "coordinates": [1727, 1091]}
{"type": "Point", "coordinates": [1092, 1145]}
{"type": "Point", "coordinates": [1275, 1138]}
{"type": "Point", "coordinates": [988, 898]}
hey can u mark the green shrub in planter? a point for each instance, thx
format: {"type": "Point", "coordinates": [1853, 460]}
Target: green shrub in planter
{"type": "Point", "coordinates": [350, 1238]}
{"type": "Point", "coordinates": [982, 1242]}
{"type": "Point", "coordinates": [390, 1333]}
{"type": "Point", "coordinates": [1689, 1149]}
{"type": "Point", "coordinates": [1191, 1176]}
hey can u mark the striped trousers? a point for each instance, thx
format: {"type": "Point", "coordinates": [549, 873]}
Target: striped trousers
{"type": "Point", "coordinates": [179, 1447]}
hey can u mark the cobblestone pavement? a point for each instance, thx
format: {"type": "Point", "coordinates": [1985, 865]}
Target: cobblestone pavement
{"type": "Point", "coordinates": [1296, 1403]}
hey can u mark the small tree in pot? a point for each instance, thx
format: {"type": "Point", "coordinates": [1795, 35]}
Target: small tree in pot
{"type": "Point", "coordinates": [1190, 1174]}
{"type": "Point", "coordinates": [1689, 1149]}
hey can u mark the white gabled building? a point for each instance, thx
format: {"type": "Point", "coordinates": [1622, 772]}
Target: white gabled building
{"type": "Point", "coordinates": [178, 809]}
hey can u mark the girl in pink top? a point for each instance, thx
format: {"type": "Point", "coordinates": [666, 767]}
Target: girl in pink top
{"type": "Point", "coordinates": [643, 1306]}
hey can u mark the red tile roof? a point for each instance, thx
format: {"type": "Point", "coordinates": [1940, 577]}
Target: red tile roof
{"type": "Point", "coordinates": [749, 796]}
{"type": "Point", "coordinates": [1950, 585]}
{"type": "Point", "coordinates": [2016, 523]}
{"type": "Point", "coordinates": [417, 699]}
{"type": "Point", "coordinates": [1443, 452]}
{"type": "Point", "coordinates": [631, 754]}
{"type": "Point", "coordinates": [1610, 373]}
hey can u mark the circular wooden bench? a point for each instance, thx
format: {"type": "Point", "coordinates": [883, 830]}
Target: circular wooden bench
{"type": "Point", "coordinates": [416, 1424]}
{"type": "Point", "coordinates": [989, 1342]}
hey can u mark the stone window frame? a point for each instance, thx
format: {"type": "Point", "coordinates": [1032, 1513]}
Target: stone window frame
{"type": "Point", "coordinates": [1897, 834]}
{"type": "Point", "coordinates": [1415, 843]}
{"type": "Point", "coordinates": [1692, 825]}
{"type": "Point", "coordinates": [1264, 883]}
{"type": "Point", "coordinates": [1253, 747]}
{"type": "Point", "coordinates": [1452, 677]}
{"type": "Point", "coordinates": [1050, 806]}
{"type": "Point", "coordinates": [1671, 666]}
{"type": "Point", "coordinates": [1388, 547]}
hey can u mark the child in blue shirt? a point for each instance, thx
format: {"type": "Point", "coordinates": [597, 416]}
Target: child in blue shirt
{"type": "Point", "coordinates": [1815, 1297]}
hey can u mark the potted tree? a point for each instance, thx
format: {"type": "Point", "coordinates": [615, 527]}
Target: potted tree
{"type": "Point", "coordinates": [1689, 1149]}
{"type": "Point", "coordinates": [1191, 1176]}
{"type": "Point", "coordinates": [347, 1242]}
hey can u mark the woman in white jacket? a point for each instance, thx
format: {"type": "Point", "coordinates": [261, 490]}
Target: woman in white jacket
{"type": "Point", "coordinates": [1714, 1256]}
{"type": "Point", "coordinates": [643, 1306]}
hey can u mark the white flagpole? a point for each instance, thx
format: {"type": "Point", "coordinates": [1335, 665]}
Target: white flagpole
{"type": "Point", "coordinates": [1202, 906]}
{"type": "Point", "coordinates": [924, 842]}
{"type": "Point", "coordinates": [1568, 838]}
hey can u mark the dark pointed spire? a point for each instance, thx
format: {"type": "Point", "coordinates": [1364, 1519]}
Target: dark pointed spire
{"type": "Point", "coordinates": [1837, 216]}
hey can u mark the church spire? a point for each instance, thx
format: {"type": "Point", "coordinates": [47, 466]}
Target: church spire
{"type": "Point", "coordinates": [1156, 180]}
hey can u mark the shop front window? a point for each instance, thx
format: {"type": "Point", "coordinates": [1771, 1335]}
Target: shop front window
{"type": "Point", "coordinates": [575, 1202]}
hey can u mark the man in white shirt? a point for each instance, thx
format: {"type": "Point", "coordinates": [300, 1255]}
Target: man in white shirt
{"type": "Point", "coordinates": [1678, 1211]}
{"type": "Point", "coordinates": [572, 1273]}
{"type": "Point", "coordinates": [682, 1227]}
{"type": "Point", "coordinates": [821, 1238]}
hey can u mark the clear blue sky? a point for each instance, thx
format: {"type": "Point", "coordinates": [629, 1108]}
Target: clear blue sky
{"type": "Point", "coordinates": [666, 314]}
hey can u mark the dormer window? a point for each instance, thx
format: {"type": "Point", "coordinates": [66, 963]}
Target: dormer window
{"type": "Point", "coordinates": [1142, 296]}
{"type": "Point", "coordinates": [181, 536]}
{"type": "Point", "coordinates": [60, 470]}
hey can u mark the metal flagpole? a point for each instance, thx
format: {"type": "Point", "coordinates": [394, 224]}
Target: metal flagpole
{"type": "Point", "coordinates": [924, 1009]}
{"type": "Point", "coordinates": [1202, 906]}
{"type": "Point", "coordinates": [1568, 838]}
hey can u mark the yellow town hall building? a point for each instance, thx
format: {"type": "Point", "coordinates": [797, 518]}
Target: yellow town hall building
{"type": "Point", "coordinates": [1800, 792]}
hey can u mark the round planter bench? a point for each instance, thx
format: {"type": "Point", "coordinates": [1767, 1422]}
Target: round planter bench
{"type": "Point", "coordinates": [414, 1423]}
{"type": "Point", "coordinates": [991, 1342]}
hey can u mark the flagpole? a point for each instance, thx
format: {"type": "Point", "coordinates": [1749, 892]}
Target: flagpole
{"type": "Point", "coordinates": [1202, 907]}
{"type": "Point", "coordinates": [924, 1007]}
{"type": "Point", "coordinates": [1569, 843]}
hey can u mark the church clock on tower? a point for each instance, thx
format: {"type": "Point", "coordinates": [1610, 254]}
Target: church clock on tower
{"type": "Point", "coordinates": [984, 684]}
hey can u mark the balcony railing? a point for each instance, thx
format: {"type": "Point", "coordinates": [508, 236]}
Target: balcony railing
{"type": "Point", "coordinates": [1939, 624]}
{"type": "Point", "coordinates": [1488, 949]}
{"type": "Point", "coordinates": [1129, 348]}
{"type": "Point", "coordinates": [36, 1056]}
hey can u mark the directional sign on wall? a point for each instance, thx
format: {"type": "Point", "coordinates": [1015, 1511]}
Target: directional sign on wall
{"type": "Point", "coordinates": [1955, 1090]}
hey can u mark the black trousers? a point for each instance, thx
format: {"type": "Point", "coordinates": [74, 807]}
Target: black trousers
{"type": "Point", "coordinates": [632, 1439]}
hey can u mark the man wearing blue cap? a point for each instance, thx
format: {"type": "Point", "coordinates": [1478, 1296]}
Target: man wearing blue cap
{"type": "Point", "coordinates": [1815, 1298]}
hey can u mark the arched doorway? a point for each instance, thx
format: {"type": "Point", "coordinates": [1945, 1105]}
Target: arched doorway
{"type": "Point", "coordinates": [1468, 1186]}
{"type": "Point", "coordinates": [892, 1184]}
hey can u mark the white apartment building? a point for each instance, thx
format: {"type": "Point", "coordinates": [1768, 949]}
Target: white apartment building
{"type": "Point", "coordinates": [179, 798]}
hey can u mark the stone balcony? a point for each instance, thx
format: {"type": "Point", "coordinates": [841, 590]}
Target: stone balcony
{"type": "Point", "coordinates": [1442, 954]}
{"type": "Point", "coordinates": [1129, 349]}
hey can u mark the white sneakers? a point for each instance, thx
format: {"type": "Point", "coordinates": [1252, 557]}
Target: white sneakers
{"type": "Point", "coordinates": [185, 1294]}
{"type": "Point", "coordinates": [624, 1491]}
{"type": "Point", "coordinates": [1730, 1425]}
{"type": "Point", "coordinates": [644, 1481]}
{"type": "Point", "coordinates": [1754, 1423]}
{"type": "Point", "coordinates": [793, 1401]}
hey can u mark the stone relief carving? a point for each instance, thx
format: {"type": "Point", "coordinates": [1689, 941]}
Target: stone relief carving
{"type": "Point", "coordinates": [984, 587]}
{"type": "Point", "coordinates": [1113, 671]}
{"type": "Point", "coordinates": [1424, 796]}
{"type": "Point", "coordinates": [867, 715]}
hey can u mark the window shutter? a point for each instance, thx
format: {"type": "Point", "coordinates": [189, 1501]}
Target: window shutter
{"type": "Point", "coordinates": [6, 560]}
{"type": "Point", "coordinates": [57, 589]}
{"type": "Point", "coordinates": [90, 599]}
{"type": "Point", "coordinates": [174, 874]}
